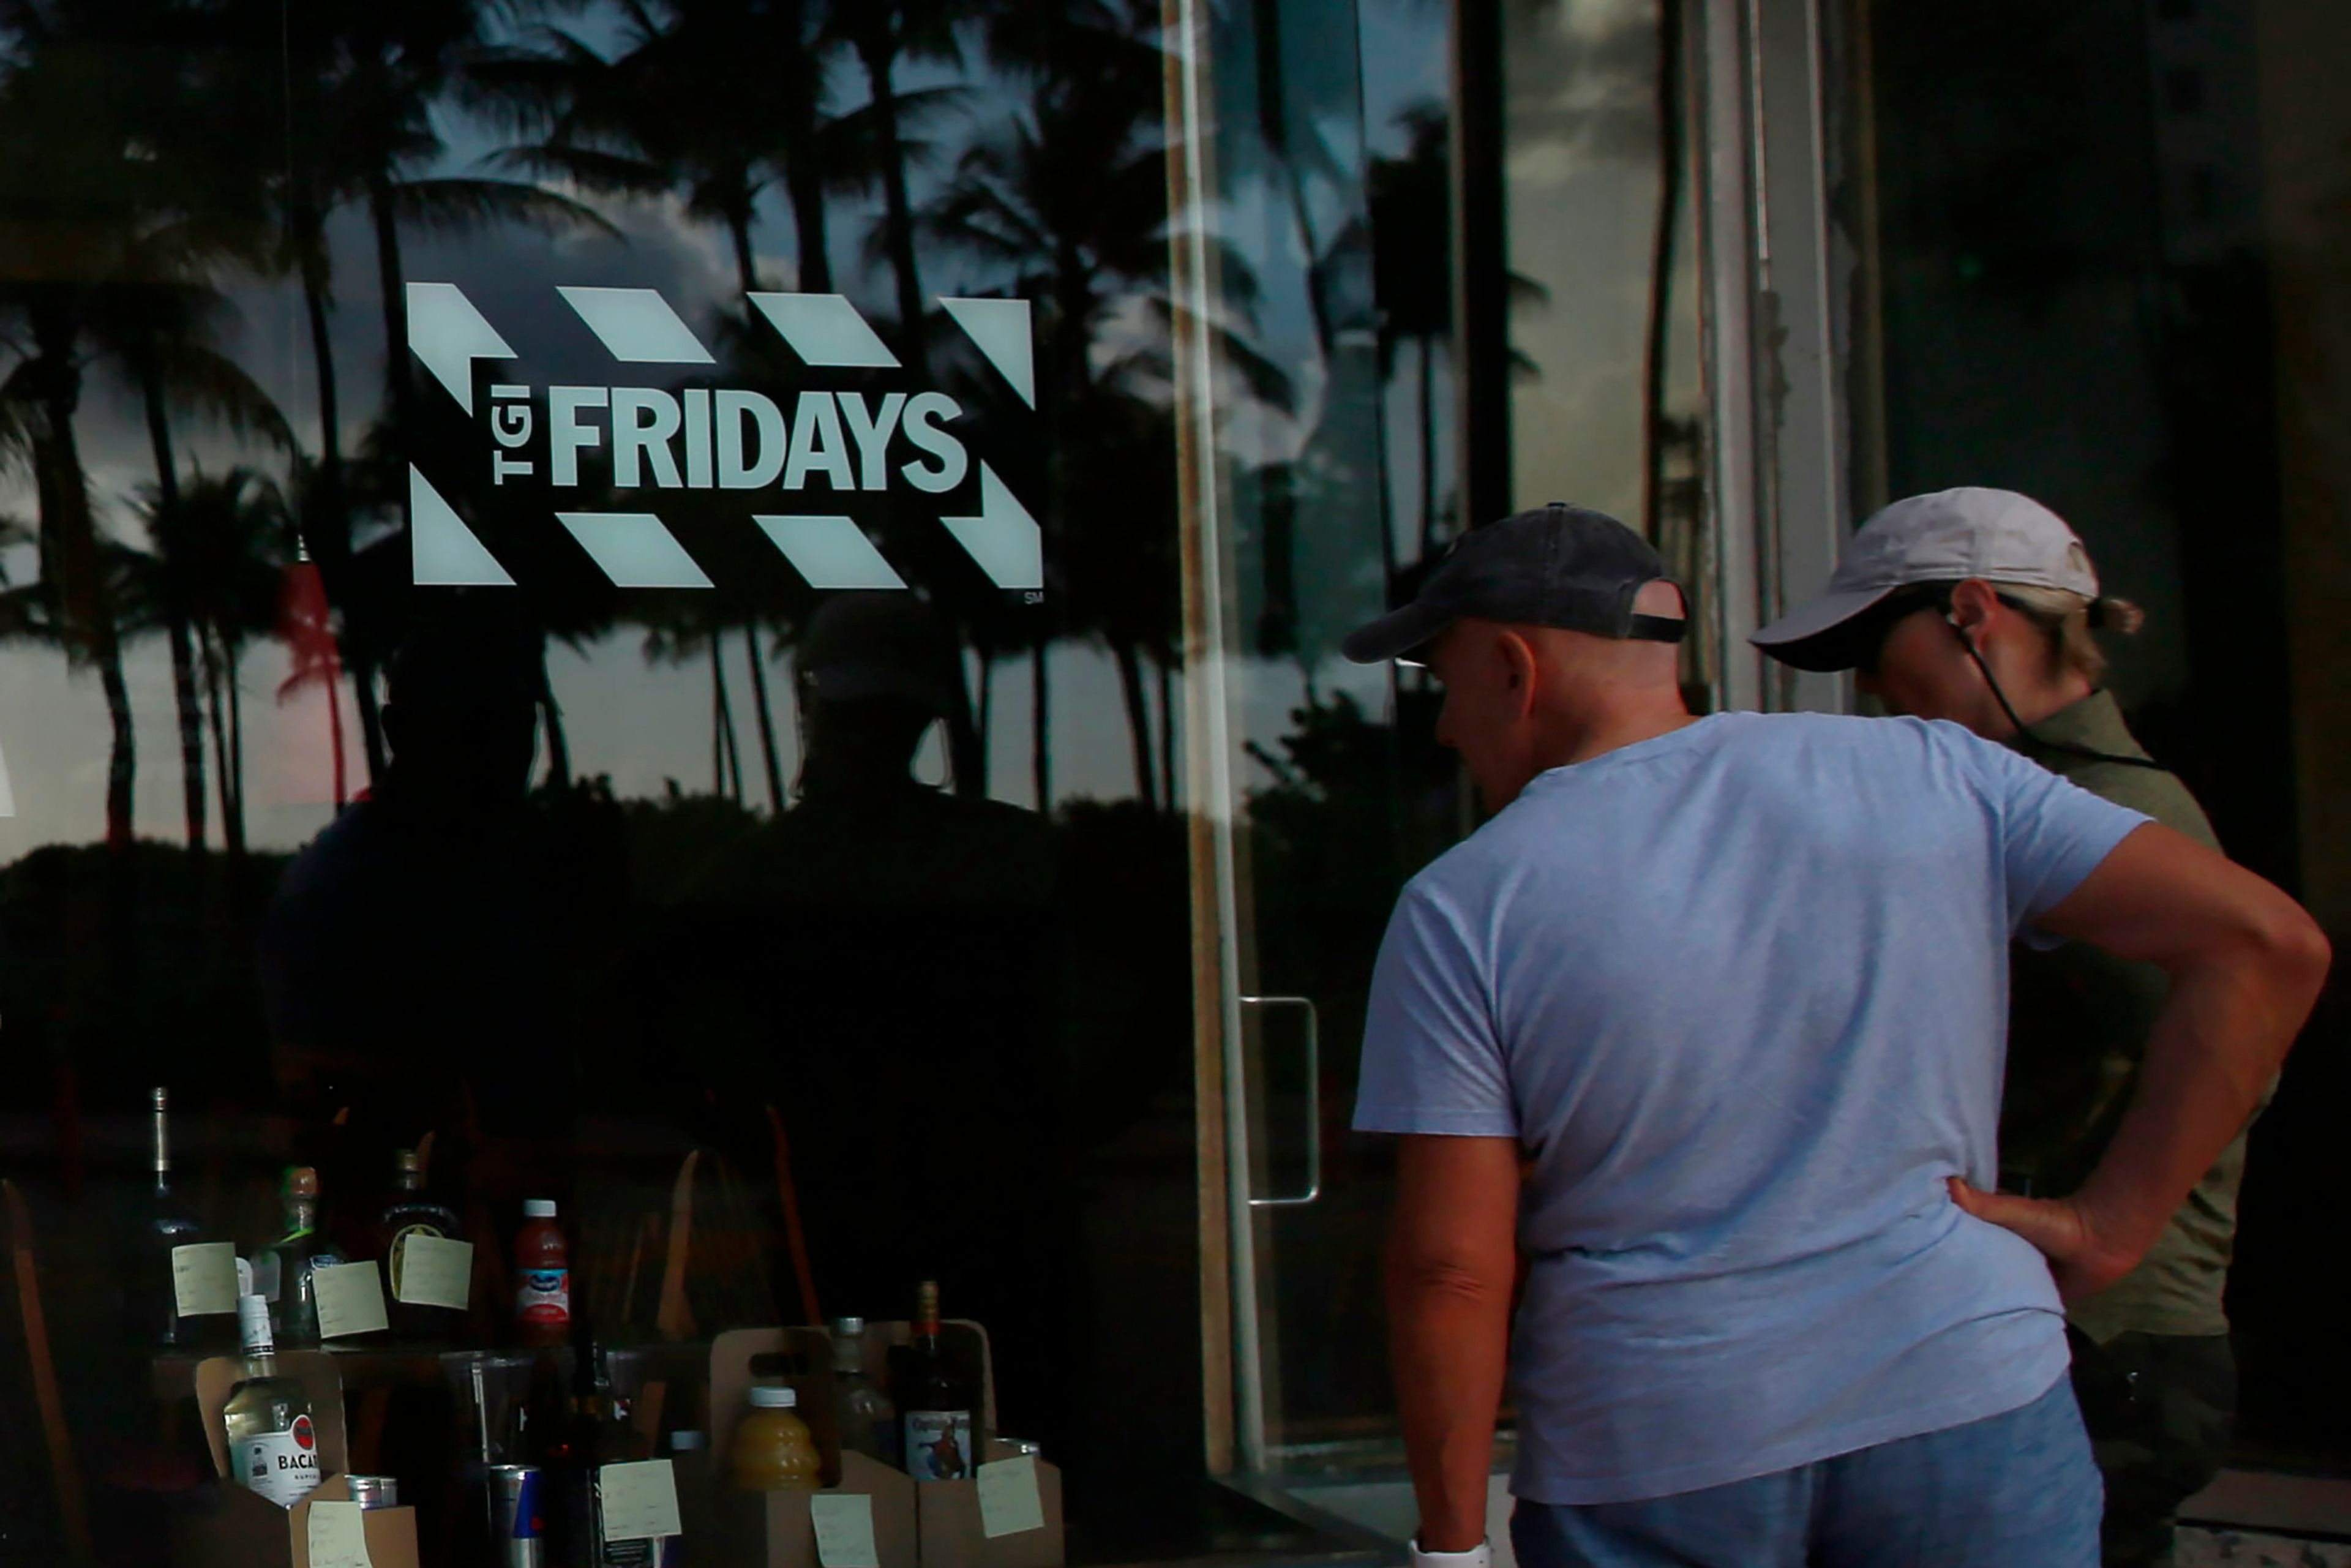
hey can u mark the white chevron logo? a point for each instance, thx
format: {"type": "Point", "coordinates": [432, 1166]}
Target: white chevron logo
{"type": "Point", "coordinates": [722, 438]}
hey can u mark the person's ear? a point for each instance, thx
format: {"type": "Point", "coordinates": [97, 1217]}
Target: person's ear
{"type": "Point", "coordinates": [1518, 657]}
{"type": "Point", "coordinates": [1972, 603]}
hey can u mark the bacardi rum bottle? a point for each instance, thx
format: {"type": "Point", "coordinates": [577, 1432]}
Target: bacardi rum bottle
{"type": "Point", "coordinates": [272, 1447]}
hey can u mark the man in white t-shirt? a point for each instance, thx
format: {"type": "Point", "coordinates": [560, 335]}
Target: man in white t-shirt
{"type": "Point", "coordinates": [1730, 990]}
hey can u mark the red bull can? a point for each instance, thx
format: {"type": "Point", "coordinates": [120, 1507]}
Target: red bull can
{"type": "Point", "coordinates": [517, 1523]}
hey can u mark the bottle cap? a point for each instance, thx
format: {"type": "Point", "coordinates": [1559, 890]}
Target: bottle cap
{"type": "Point", "coordinates": [687, 1442]}
{"type": "Point", "coordinates": [253, 1322]}
{"type": "Point", "coordinates": [849, 1327]}
{"type": "Point", "coordinates": [773, 1398]}
{"type": "Point", "coordinates": [301, 1181]}
{"type": "Point", "coordinates": [407, 1160]}
{"type": "Point", "coordinates": [160, 1099]}
{"type": "Point", "coordinates": [539, 1208]}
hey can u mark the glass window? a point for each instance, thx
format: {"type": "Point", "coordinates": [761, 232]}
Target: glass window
{"type": "Point", "coordinates": [2109, 246]}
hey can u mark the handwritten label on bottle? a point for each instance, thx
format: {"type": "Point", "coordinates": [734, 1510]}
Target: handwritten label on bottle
{"type": "Point", "coordinates": [1009, 1502]}
{"type": "Point", "coordinates": [349, 1297]}
{"type": "Point", "coordinates": [204, 1278]}
{"type": "Point", "coordinates": [640, 1501]}
{"type": "Point", "coordinates": [435, 1271]}
{"type": "Point", "coordinates": [845, 1530]}
{"type": "Point", "coordinates": [338, 1536]}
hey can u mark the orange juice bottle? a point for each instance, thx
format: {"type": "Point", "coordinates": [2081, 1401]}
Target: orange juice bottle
{"type": "Point", "coordinates": [773, 1449]}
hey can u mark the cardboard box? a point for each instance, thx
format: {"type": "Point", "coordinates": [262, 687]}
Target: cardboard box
{"type": "Point", "coordinates": [229, 1527]}
{"type": "Point", "coordinates": [952, 1534]}
{"type": "Point", "coordinates": [774, 1530]}
{"type": "Point", "coordinates": [943, 1524]}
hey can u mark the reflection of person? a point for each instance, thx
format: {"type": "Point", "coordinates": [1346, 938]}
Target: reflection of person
{"type": "Point", "coordinates": [1979, 606]}
{"type": "Point", "coordinates": [402, 961]}
{"type": "Point", "coordinates": [1732, 987]}
{"type": "Point", "coordinates": [896, 946]}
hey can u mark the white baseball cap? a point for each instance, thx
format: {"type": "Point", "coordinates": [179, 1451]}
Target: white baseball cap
{"type": "Point", "coordinates": [1950, 536]}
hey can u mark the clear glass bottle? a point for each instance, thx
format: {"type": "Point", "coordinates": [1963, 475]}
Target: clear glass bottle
{"type": "Point", "coordinates": [868, 1419]}
{"type": "Point", "coordinates": [272, 1447]}
{"type": "Point", "coordinates": [296, 1253]}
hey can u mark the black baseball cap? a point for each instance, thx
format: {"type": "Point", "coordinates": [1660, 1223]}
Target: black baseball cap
{"type": "Point", "coordinates": [1560, 566]}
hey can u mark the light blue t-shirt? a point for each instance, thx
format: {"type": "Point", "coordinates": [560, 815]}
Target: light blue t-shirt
{"type": "Point", "coordinates": [1740, 993]}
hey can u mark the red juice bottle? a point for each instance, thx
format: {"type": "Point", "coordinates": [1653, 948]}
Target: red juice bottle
{"type": "Point", "coordinates": [543, 1269]}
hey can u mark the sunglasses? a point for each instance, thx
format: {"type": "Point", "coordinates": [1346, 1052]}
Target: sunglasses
{"type": "Point", "coordinates": [1874, 626]}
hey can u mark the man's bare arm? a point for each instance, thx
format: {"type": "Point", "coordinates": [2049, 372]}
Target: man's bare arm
{"type": "Point", "coordinates": [1452, 1264]}
{"type": "Point", "coordinates": [2246, 964]}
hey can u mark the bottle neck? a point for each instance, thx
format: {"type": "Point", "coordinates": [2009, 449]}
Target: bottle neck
{"type": "Point", "coordinates": [261, 1361]}
{"type": "Point", "coordinates": [162, 1148]}
{"type": "Point", "coordinates": [301, 1216]}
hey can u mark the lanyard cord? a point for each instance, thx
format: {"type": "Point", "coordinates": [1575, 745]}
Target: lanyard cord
{"type": "Point", "coordinates": [2066, 747]}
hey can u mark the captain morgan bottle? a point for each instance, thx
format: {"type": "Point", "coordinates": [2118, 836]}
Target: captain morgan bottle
{"type": "Point", "coordinates": [937, 1407]}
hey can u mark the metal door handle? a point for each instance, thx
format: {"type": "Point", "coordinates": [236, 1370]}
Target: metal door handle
{"type": "Point", "coordinates": [1313, 1100]}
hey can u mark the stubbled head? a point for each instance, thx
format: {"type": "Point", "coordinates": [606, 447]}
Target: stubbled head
{"type": "Point", "coordinates": [1520, 699]}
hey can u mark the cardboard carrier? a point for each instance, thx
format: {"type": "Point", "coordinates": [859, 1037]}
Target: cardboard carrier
{"type": "Point", "coordinates": [933, 1524]}
{"type": "Point", "coordinates": [229, 1527]}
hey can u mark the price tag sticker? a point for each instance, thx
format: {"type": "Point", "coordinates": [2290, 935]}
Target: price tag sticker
{"type": "Point", "coordinates": [1009, 1502]}
{"type": "Point", "coordinates": [349, 1297]}
{"type": "Point", "coordinates": [845, 1530]}
{"type": "Point", "coordinates": [640, 1501]}
{"type": "Point", "coordinates": [339, 1536]}
{"type": "Point", "coordinates": [204, 1279]}
{"type": "Point", "coordinates": [434, 1272]}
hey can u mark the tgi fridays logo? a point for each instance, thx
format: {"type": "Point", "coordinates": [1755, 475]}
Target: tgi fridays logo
{"type": "Point", "coordinates": [826, 444]}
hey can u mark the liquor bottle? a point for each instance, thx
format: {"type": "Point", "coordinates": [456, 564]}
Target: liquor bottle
{"type": "Point", "coordinates": [164, 1224]}
{"type": "Point", "coordinates": [940, 1411]}
{"type": "Point", "coordinates": [596, 1432]}
{"type": "Point", "coordinates": [298, 1252]}
{"type": "Point", "coordinates": [272, 1448]}
{"type": "Point", "coordinates": [869, 1421]}
{"type": "Point", "coordinates": [411, 1213]}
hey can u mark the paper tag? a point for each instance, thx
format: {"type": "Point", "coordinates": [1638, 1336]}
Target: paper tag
{"type": "Point", "coordinates": [640, 1501]}
{"type": "Point", "coordinates": [349, 1297]}
{"type": "Point", "coordinates": [845, 1530]}
{"type": "Point", "coordinates": [204, 1278]}
{"type": "Point", "coordinates": [436, 1271]}
{"type": "Point", "coordinates": [339, 1536]}
{"type": "Point", "coordinates": [1010, 1502]}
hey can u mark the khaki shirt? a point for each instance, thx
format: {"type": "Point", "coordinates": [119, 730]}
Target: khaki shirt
{"type": "Point", "coordinates": [2078, 1022]}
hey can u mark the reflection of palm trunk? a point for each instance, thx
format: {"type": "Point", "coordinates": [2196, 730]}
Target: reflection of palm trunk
{"type": "Point", "coordinates": [1138, 718]}
{"type": "Point", "coordinates": [738, 228]}
{"type": "Point", "coordinates": [769, 755]}
{"type": "Point", "coordinates": [725, 751]}
{"type": "Point", "coordinates": [1661, 262]}
{"type": "Point", "coordinates": [558, 748]}
{"type": "Point", "coordinates": [390, 277]}
{"type": "Point", "coordinates": [232, 784]}
{"type": "Point", "coordinates": [1167, 733]}
{"type": "Point", "coordinates": [335, 735]}
{"type": "Point", "coordinates": [805, 186]}
{"type": "Point", "coordinates": [175, 620]}
{"type": "Point", "coordinates": [332, 544]}
{"type": "Point", "coordinates": [1429, 447]}
{"type": "Point", "coordinates": [984, 719]}
{"type": "Point", "coordinates": [1041, 757]}
{"type": "Point", "coordinates": [899, 210]}
{"type": "Point", "coordinates": [232, 650]}
{"type": "Point", "coordinates": [84, 609]}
